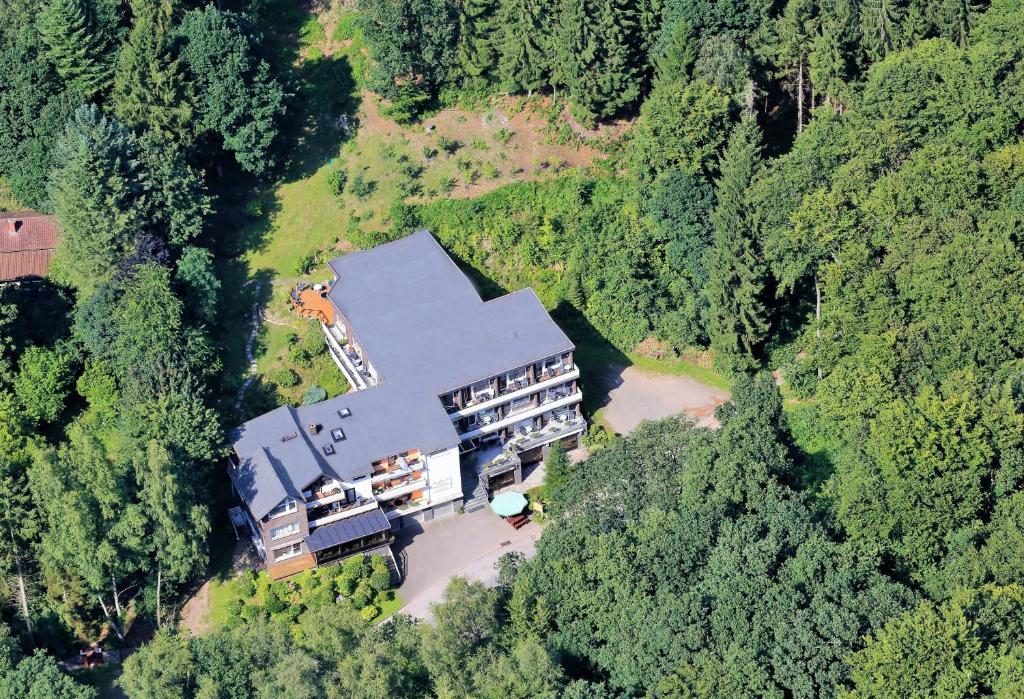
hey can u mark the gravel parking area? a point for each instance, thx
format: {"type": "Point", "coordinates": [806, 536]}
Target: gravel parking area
{"type": "Point", "coordinates": [635, 395]}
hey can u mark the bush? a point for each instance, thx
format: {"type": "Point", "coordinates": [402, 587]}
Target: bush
{"type": "Point", "coordinates": [449, 145]}
{"type": "Point", "coordinates": [310, 261]}
{"type": "Point", "coordinates": [331, 378]}
{"type": "Point", "coordinates": [246, 584]}
{"type": "Point", "coordinates": [273, 603]}
{"type": "Point", "coordinates": [361, 187]}
{"type": "Point", "coordinates": [369, 612]}
{"type": "Point", "coordinates": [284, 377]}
{"type": "Point", "coordinates": [479, 144]}
{"type": "Point", "coordinates": [380, 579]}
{"type": "Point", "coordinates": [362, 594]}
{"type": "Point", "coordinates": [314, 394]}
{"type": "Point", "coordinates": [429, 152]}
{"type": "Point", "coordinates": [312, 344]}
{"type": "Point", "coordinates": [504, 135]}
{"type": "Point", "coordinates": [336, 181]}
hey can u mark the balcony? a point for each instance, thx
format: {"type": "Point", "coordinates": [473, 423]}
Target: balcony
{"type": "Point", "coordinates": [348, 361]}
{"type": "Point", "coordinates": [502, 463]}
{"type": "Point", "coordinates": [406, 508]}
{"type": "Point", "coordinates": [526, 390]}
{"type": "Point", "coordinates": [389, 492]}
{"type": "Point", "coordinates": [333, 514]}
{"type": "Point", "coordinates": [498, 425]}
{"type": "Point", "coordinates": [562, 425]}
{"type": "Point", "coordinates": [402, 467]}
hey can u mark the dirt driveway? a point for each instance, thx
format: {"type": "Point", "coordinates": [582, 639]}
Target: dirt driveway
{"type": "Point", "coordinates": [635, 395]}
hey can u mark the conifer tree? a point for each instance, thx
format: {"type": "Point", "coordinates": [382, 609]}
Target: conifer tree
{"type": "Point", "coordinates": [149, 88]}
{"type": "Point", "coordinates": [95, 189]}
{"type": "Point", "coordinates": [880, 22]}
{"type": "Point", "coordinates": [598, 53]}
{"type": "Point", "coordinates": [73, 45]}
{"type": "Point", "coordinates": [477, 51]}
{"type": "Point", "coordinates": [524, 45]}
{"type": "Point", "coordinates": [737, 315]}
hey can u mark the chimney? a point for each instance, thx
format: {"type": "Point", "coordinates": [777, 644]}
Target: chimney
{"type": "Point", "coordinates": [314, 428]}
{"type": "Point", "coordinates": [9, 226]}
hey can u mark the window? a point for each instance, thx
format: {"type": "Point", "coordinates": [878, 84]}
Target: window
{"type": "Point", "coordinates": [289, 551]}
{"type": "Point", "coordinates": [284, 530]}
{"type": "Point", "coordinates": [481, 388]}
{"type": "Point", "coordinates": [350, 495]}
{"type": "Point", "coordinates": [286, 507]}
{"type": "Point", "coordinates": [337, 435]}
{"type": "Point", "coordinates": [328, 449]}
{"type": "Point", "coordinates": [471, 421]}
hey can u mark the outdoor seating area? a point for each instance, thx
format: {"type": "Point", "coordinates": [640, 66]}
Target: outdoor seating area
{"type": "Point", "coordinates": [312, 302]}
{"type": "Point", "coordinates": [518, 521]}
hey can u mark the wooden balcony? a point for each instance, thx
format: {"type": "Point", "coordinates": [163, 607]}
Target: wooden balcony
{"type": "Point", "coordinates": [291, 566]}
{"type": "Point", "coordinates": [310, 303]}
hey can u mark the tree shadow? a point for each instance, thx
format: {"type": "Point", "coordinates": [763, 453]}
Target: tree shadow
{"type": "Point", "coordinates": [324, 88]}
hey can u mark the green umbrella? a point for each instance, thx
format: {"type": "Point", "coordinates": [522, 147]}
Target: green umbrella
{"type": "Point", "coordinates": [508, 504]}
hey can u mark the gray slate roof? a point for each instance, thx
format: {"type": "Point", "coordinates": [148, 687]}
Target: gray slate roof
{"type": "Point", "coordinates": [427, 331]}
{"type": "Point", "coordinates": [348, 529]}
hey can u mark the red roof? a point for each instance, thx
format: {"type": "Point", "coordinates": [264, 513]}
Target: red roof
{"type": "Point", "coordinates": [27, 242]}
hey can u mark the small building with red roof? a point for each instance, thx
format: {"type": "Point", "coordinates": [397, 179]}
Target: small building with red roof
{"type": "Point", "coordinates": [27, 242]}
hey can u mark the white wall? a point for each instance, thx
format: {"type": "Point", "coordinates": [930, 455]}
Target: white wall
{"type": "Point", "coordinates": [444, 476]}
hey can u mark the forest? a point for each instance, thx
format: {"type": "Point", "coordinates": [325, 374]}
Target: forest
{"type": "Point", "coordinates": [826, 197]}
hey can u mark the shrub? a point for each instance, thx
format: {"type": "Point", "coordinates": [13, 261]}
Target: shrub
{"type": "Point", "coordinates": [345, 583]}
{"type": "Point", "coordinates": [504, 135]}
{"type": "Point", "coordinates": [362, 594]}
{"type": "Point", "coordinates": [478, 143]}
{"type": "Point", "coordinates": [250, 613]}
{"type": "Point", "coordinates": [310, 261]}
{"type": "Point", "coordinates": [380, 579]}
{"type": "Point", "coordinates": [312, 343]}
{"type": "Point", "coordinates": [429, 152]}
{"type": "Point", "coordinates": [273, 603]}
{"type": "Point", "coordinates": [331, 379]}
{"type": "Point", "coordinates": [336, 181]}
{"type": "Point", "coordinates": [246, 584]}
{"type": "Point", "coordinates": [284, 377]}
{"type": "Point", "coordinates": [491, 172]}
{"type": "Point", "coordinates": [448, 145]}
{"type": "Point", "coordinates": [361, 187]}
{"type": "Point", "coordinates": [369, 612]}
{"type": "Point", "coordinates": [314, 394]}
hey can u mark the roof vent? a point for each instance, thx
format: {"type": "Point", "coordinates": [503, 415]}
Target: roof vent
{"type": "Point", "coordinates": [289, 436]}
{"type": "Point", "coordinates": [344, 412]}
{"type": "Point", "coordinates": [314, 428]}
{"type": "Point", "coordinates": [337, 435]}
{"type": "Point", "coordinates": [328, 449]}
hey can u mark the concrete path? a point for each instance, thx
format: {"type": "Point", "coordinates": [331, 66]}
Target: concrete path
{"type": "Point", "coordinates": [635, 395]}
{"type": "Point", "coordinates": [467, 545]}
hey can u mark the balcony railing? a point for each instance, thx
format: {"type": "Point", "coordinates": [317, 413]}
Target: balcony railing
{"type": "Point", "coordinates": [490, 403]}
{"type": "Point", "coordinates": [399, 489]}
{"type": "Point", "coordinates": [334, 513]}
{"type": "Point", "coordinates": [556, 428]}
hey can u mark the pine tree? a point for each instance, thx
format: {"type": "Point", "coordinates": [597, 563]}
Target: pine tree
{"type": "Point", "coordinates": [880, 23]}
{"type": "Point", "coordinates": [599, 54]}
{"type": "Point", "coordinates": [149, 89]}
{"type": "Point", "coordinates": [793, 49]}
{"type": "Point", "coordinates": [737, 315]}
{"type": "Point", "coordinates": [524, 47]}
{"type": "Point", "coordinates": [477, 53]}
{"type": "Point", "coordinates": [95, 190]}
{"type": "Point", "coordinates": [954, 18]}
{"type": "Point", "coordinates": [73, 46]}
